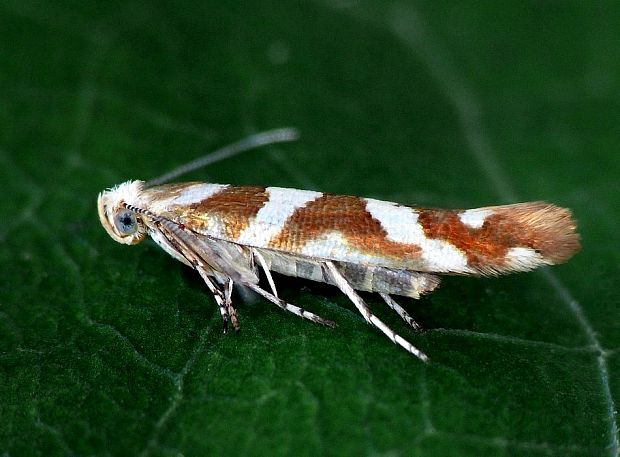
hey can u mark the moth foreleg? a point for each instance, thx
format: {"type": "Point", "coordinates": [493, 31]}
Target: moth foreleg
{"type": "Point", "coordinates": [400, 311]}
{"type": "Point", "coordinates": [291, 308]}
{"type": "Point", "coordinates": [364, 310]}
{"type": "Point", "coordinates": [220, 298]}
{"type": "Point", "coordinates": [232, 312]}
{"type": "Point", "coordinates": [222, 291]}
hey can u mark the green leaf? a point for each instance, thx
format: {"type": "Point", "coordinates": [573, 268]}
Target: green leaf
{"type": "Point", "coordinates": [116, 350]}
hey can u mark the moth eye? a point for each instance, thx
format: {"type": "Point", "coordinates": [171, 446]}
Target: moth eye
{"type": "Point", "coordinates": [125, 222]}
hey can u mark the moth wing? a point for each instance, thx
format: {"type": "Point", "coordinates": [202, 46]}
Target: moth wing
{"type": "Point", "coordinates": [305, 224]}
{"type": "Point", "coordinates": [491, 240]}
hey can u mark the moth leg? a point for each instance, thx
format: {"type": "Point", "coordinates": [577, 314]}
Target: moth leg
{"type": "Point", "coordinates": [288, 307]}
{"type": "Point", "coordinates": [176, 244]}
{"type": "Point", "coordinates": [232, 312]}
{"type": "Point", "coordinates": [265, 268]}
{"type": "Point", "coordinates": [400, 311]}
{"type": "Point", "coordinates": [362, 307]}
{"type": "Point", "coordinates": [220, 299]}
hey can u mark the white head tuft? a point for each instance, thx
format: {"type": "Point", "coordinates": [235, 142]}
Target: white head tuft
{"type": "Point", "coordinates": [122, 224]}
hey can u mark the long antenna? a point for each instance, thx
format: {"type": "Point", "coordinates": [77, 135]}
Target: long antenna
{"type": "Point", "coordinates": [252, 142]}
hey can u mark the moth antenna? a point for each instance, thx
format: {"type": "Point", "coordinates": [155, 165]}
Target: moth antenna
{"type": "Point", "coordinates": [281, 135]}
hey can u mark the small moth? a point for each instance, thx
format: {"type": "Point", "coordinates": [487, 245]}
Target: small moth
{"type": "Point", "coordinates": [231, 234]}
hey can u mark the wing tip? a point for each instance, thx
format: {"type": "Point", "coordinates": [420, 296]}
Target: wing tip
{"type": "Point", "coordinates": [549, 231]}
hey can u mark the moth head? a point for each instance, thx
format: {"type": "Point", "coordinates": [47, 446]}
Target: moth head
{"type": "Point", "coordinates": [122, 224]}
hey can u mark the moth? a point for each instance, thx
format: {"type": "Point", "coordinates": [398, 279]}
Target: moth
{"type": "Point", "coordinates": [234, 235]}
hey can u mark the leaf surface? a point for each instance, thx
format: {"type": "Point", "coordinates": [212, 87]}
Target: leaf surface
{"type": "Point", "coordinates": [115, 350]}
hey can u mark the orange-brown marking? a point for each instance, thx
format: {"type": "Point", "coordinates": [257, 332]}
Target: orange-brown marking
{"type": "Point", "coordinates": [345, 215]}
{"type": "Point", "coordinates": [545, 228]}
{"type": "Point", "coordinates": [483, 247]}
{"type": "Point", "coordinates": [235, 207]}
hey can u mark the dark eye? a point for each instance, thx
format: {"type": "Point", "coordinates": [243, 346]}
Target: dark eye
{"type": "Point", "coordinates": [125, 222]}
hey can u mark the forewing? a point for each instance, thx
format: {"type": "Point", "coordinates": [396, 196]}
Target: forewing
{"type": "Point", "coordinates": [355, 230]}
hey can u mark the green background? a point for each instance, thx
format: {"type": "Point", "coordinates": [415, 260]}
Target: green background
{"type": "Point", "coordinates": [114, 350]}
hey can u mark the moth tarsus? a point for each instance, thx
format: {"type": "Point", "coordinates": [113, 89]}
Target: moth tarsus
{"type": "Point", "coordinates": [230, 234]}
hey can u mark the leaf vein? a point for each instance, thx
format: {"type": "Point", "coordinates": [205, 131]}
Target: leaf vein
{"type": "Point", "coordinates": [177, 397]}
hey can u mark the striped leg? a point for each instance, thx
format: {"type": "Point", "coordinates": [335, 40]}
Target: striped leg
{"type": "Point", "coordinates": [220, 299]}
{"type": "Point", "coordinates": [176, 243]}
{"type": "Point", "coordinates": [401, 311]}
{"type": "Point", "coordinates": [362, 307]}
{"type": "Point", "coordinates": [288, 307]}
{"type": "Point", "coordinates": [232, 312]}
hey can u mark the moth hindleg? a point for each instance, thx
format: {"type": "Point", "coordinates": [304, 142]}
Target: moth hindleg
{"type": "Point", "coordinates": [400, 311]}
{"type": "Point", "coordinates": [362, 307]}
